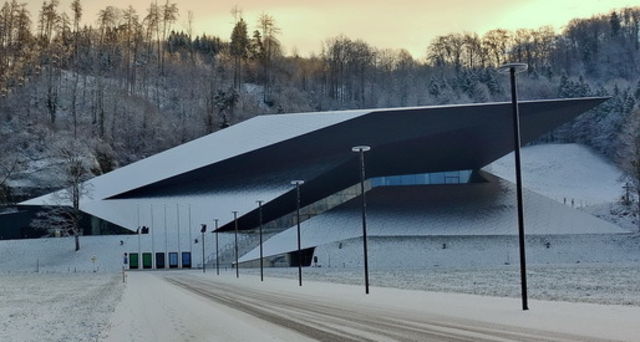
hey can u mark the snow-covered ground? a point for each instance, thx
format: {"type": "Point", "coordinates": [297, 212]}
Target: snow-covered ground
{"type": "Point", "coordinates": [57, 255]}
{"type": "Point", "coordinates": [51, 293]}
{"type": "Point", "coordinates": [87, 306]}
{"type": "Point", "coordinates": [147, 315]}
{"type": "Point", "coordinates": [568, 173]}
{"type": "Point", "coordinates": [56, 307]}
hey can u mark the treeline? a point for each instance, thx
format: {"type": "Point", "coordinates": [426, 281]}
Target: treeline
{"type": "Point", "coordinates": [133, 85]}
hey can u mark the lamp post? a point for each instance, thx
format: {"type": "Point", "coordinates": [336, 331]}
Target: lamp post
{"type": "Point", "coordinates": [512, 69]}
{"type": "Point", "coordinates": [215, 221]}
{"type": "Point", "coordinates": [361, 150]}
{"type": "Point", "coordinates": [153, 242]}
{"type": "Point", "coordinates": [166, 239]}
{"type": "Point", "coordinates": [190, 240]}
{"type": "Point", "coordinates": [235, 221]}
{"type": "Point", "coordinates": [260, 229]}
{"type": "Point", "coordinates": [139, 232]}
{"type": "Point", "coordinates": [178, 231]}
{"type": "Point", "coordinates": [203, 230]}
{"type": "Point", "coordinates": [297, 183]}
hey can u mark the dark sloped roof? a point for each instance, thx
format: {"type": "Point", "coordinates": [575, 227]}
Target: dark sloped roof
{"type": "Point", "coordinates": [404, 141]}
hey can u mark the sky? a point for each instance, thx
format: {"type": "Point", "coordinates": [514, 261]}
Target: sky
{"type": "Point", "coordinates": [408, 24]}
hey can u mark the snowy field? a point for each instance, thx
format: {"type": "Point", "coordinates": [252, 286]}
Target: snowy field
{"type": "Point", "coordinates": [608, 284]}
{"type": "Point", "coordinates": [56, 307]}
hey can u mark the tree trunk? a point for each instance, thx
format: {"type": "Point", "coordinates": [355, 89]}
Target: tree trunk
{"type": "Point", "coordinates": [77, 238]}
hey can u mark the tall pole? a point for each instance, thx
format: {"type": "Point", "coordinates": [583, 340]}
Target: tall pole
{"type": "Point", "coordinates": [153, 242]}
{"type": "Point", "coordinates": [178, 231]}
{"type": "Point", "coordinates": [260, 229]}
{"type": "Point", "coordinates": [361, 150]}
{"type": "Point", "coordinates": [215, 221]}
{"type": "Point", "coordinates": [166, 239]}
{"type": "Point", "coordinates": [512, 69]}
{"type": "Point", "coordinates": [297, 183]}
{"type": "Point", "coordinates": [190, 239]}
{"type": "Point", "coordinates": [235, 220]}
{"type": "Point", "coordinates": [204, 263]}
{"type": "Point", "coordinates": [139, 232]}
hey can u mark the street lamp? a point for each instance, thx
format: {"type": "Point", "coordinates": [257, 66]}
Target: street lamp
{"type": "Point", "coordinates": [512, 69]}
{"type": "Point", "coordinates": [361, 150]}
{"type": "Point", "coordinates": [215, 221]}
{"type": "Point", "coordinates": [260, 229]}
{"type": "Point", "coordinates": [203, 230]}
{"type": "Point", "coordinates": [235, 221]}
{"type": "Point", "coordinates": [139, 232]}
{"type": "Point", "coordinates": [297, 183]}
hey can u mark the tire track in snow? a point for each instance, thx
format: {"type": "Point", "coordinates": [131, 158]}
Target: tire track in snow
{"type": "Point", "coordinates": [335, 322]}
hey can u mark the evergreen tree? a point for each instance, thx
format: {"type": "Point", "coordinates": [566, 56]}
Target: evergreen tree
{"type": "Point", "coordinates": [239, 46]}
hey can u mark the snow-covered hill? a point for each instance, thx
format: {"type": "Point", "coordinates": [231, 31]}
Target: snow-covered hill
{"type": "Point", "coordinates": [568, 173]}
{"type": "Point", "coordinates": [574, 175]}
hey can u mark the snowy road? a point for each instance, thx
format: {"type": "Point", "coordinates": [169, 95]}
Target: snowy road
{"type": "Point", "coordinates": [190, 306]}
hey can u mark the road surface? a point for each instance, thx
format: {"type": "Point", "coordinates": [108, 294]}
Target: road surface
{"type": "Point", "coordinates": [191, 306]}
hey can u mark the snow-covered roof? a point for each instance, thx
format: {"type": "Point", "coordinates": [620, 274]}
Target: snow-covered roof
{"type": "Point", "coordinates": [256, 160]}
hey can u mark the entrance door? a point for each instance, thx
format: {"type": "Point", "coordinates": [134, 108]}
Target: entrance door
{"type": "Point", "coordinates": [173, 260]}
{"type": "Point", "coordinates": [133, 261]}
{"type": "Point", "coordinates": [186, 259]}
{"type": "Point", "coordinates": [159, 260]}
{"type": "Point", "coordinates": [146, 260]}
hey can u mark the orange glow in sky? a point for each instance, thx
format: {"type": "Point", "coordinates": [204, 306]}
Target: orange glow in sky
{"type": "Point", "coordinates": [409, 24]}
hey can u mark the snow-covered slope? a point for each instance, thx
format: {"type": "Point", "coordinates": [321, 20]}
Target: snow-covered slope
{"type": "Point", "coordinates": [564, 172]}
{"type": "Point", "coordinates": [482, 209]}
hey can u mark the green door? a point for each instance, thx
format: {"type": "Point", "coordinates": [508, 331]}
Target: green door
{"type": "Point", "coordinates": [146, 260]}
{"type": "Point", "coordinates": [133, 261]}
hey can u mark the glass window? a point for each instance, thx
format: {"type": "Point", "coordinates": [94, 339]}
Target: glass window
{"type": "Point", "coordinates": [450, 177]}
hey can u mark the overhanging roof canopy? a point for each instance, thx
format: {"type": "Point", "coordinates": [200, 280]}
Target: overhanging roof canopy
{"type": "Point", "coordinates": [406, 141]}
{"type": "Point", "coordinates": [263, 154]}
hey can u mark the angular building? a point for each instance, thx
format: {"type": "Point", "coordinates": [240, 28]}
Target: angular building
{"type": "Point", "coordinates": [423, 173]}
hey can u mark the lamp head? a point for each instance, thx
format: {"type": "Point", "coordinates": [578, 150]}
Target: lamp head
{"type": "Point", "coordinates": [518, 67]}
{"type": "Point", "coordinates": [361, 148]}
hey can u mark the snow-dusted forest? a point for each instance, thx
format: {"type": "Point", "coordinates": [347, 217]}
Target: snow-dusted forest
{"type": "Point", "coordinates": [130, 85]}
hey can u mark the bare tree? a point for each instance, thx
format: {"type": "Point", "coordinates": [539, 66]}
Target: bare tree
{"type": "Point", "coordinates": [496, 42]}
{"type": "Point", "coordinates": [169, 14]}
{"type": "Point", "coordinates": [74, 163]}
{"type": "Point", "coordinates": [270, 49]}
{"type": "Point", "coordinates": [8, 166]}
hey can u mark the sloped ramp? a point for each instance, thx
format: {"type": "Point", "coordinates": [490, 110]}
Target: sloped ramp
{"type": "Point", "coordinates": [477, 209]}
